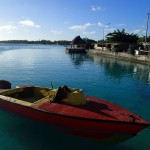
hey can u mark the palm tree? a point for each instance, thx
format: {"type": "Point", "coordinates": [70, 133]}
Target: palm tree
{"type": "Point", "coordinates": [121, 37]}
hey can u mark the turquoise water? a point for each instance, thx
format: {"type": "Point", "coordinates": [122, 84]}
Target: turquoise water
{"type": "Point", "coordinates": [122, 82]}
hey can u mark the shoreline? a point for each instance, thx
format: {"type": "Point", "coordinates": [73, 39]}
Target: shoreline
{"type": "Point", "coordinates": [143, 59]}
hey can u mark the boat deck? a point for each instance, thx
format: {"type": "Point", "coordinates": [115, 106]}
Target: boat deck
{"type": "Point", "coordinates": [95, 109]}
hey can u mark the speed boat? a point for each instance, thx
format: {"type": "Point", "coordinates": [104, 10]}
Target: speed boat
{"type": "Point", "coordinates": [73, 112]}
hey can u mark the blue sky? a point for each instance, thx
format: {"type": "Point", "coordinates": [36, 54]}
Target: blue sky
{"type": "Point", "coordinates": [65, 19]}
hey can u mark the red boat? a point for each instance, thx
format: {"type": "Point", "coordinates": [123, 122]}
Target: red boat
{"type": "Point", "coordinates": [71, 111]}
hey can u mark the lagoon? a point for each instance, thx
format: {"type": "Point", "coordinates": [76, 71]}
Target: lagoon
{"type": "Point", "coordinates": [122, 82]}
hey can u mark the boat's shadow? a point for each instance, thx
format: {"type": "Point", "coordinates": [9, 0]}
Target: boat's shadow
{"type": "Point", "coordinates": [31, 135]}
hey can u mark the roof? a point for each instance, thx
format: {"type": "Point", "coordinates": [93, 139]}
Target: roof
{"type": "Point", "coordinates": [78, 40]}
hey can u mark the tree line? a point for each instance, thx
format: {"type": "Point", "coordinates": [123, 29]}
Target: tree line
{"type": "Point", "coordinates": [46, 42]}
{"type": "Point", "coordinates": [117, 36]}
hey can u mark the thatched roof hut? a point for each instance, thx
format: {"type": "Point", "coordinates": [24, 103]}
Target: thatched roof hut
{"type": "Point", "coordinates": [78, 41]}
{"type": "Point", "coordinates": [77, 45]}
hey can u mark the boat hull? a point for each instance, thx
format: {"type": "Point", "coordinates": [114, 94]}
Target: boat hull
{"type": "Point", "coordinates": [103, 130]}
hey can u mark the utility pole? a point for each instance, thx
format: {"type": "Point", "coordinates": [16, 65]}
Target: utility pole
{"type": "Point", "coordinates": [105, 25]}
{"type": "Point", "coordinates": [104, 34]}
{"type": "Point", "coordinates": [147, 27]}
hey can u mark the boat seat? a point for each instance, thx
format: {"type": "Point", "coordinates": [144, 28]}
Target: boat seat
{"type": "Point", "coordinates": [61, 93]}
{"type": "Point", "coordinates": [5, 84]}
{"type": "Point", "coordinates": [14, 100]}
{"type": "Point", "coordinates": [9, 92]}
{"type": "Point", "coordinates": [40, 102]}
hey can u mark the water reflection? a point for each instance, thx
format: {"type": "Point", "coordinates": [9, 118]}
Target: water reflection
{"type": "Point", "coordinates": [78, 58]}
{"type": "Point", "coordinates": [119, 68]}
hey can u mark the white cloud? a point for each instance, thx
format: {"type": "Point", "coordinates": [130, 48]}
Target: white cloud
{"type": "Point", "coordinates": [140, 32]}
{"type": "Point", "coordinates": [77, 27]}
{"type": "Point", "coordinates": [100, 24]}
{"type": "Point", "coordinates": [136, 31]}
{"type": "Point", "coordinates": [97, 8]}
{"type": "Point", "coordinates": [103, 25]}
{"type": "Point", "coordinates": [88, 24]}
{"type": "Point", "coordinates": [143, 32]}
{"type": "Point", "coordinates": [8, 28]}
{"type": "Point", "coordinates": [121, 25]}
{"type": "Point", "coordinates": [89, 33]}
{"type": "Point", "coordinates": [56, 32]}
{"type": "Point", "coordinates": [28, 23]}
{"type": "Point", "coordinates": [80, 27]}
{"type": "Point", "coordinates": [109, 30]}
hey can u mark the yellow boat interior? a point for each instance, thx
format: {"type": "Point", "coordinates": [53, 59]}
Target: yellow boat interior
{"type": "Point", "coordinates": [35, 96]}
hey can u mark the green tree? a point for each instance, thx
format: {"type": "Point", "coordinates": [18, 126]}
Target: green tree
{"type": "Point", "coordinates": [89, 41]}
{"type": "Point", "coordinates": [121, 37]}
{"type": "Point", "coordinates": [142, 39]}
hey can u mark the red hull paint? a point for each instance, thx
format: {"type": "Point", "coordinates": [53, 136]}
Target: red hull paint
{"type": "Point", "coordinates": [84, 127]}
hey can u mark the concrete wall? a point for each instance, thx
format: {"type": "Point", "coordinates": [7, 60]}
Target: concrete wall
{"type": "Point", "coordinates": [144, 59]}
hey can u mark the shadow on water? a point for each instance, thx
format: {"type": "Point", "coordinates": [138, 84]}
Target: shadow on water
{"type": "Point", "coordinates": [26, 134]}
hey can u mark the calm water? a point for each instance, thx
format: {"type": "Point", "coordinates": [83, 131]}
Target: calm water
{"type": "Point", "coordinates": [124, 83]}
